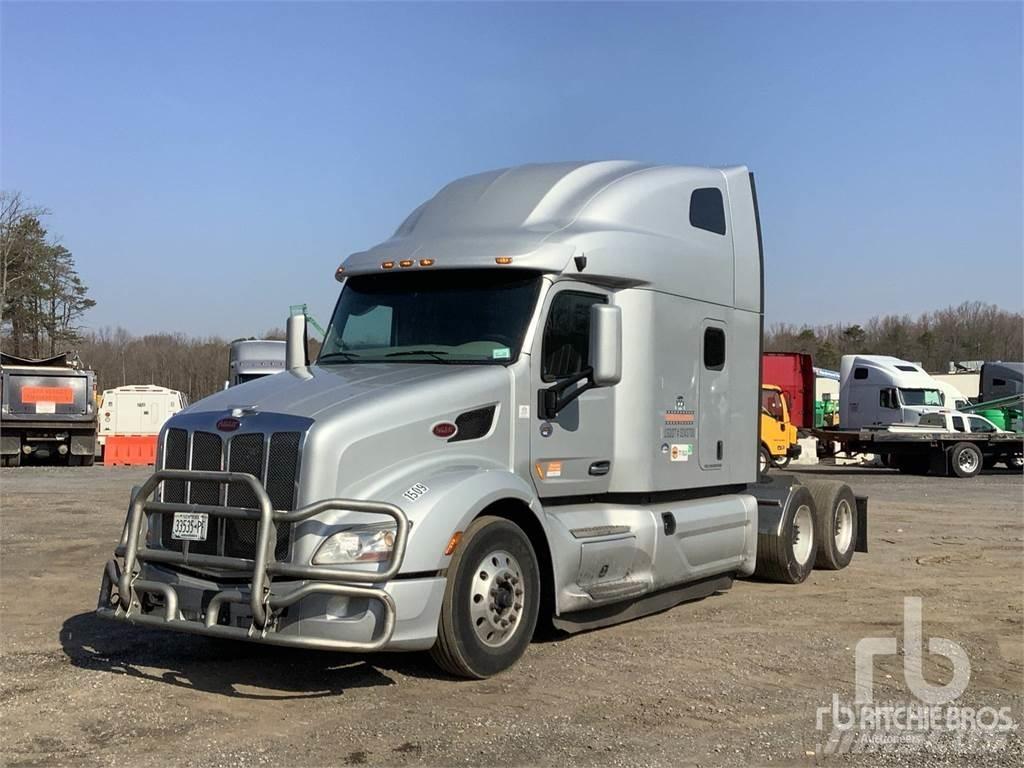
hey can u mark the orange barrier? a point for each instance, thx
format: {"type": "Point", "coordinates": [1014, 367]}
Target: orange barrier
{"type": "Point", "coordinates": [129, 450]}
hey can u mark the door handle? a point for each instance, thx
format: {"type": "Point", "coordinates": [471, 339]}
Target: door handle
{"type": "Point", "coordinates": [599, 468]}
{"type": "Point", "coordinates": [720, 449]}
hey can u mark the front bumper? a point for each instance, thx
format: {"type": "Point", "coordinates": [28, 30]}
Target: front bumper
{"type": "Point", "coordinates": [794, 451]}
{"type": "Point", "coordinates": [139, 590]}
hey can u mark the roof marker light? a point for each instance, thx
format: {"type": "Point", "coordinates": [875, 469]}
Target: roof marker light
{"type": "Point", "coordinates": [426, 262]}
{"type": "Point", "coordinates": [405, 263]}
{"type": "Point", "coordinates": [503, 260]}
{"type": "Point", "coordinates": [339, 273]}
{"type": "Point", "coordinates": [387, 265]}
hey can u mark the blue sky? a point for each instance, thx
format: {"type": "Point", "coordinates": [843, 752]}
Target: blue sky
{"type": "Point", "coordinates": [210, 164]}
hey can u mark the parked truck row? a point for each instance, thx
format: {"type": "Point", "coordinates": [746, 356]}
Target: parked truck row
{"type": "Point", "coordinates": [537, 402]}
{"type": "Point", "coordinates": [892, 409]}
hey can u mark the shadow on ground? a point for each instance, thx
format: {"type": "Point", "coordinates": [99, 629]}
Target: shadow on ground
{"type": "Point", "coordinates": [226, 667]}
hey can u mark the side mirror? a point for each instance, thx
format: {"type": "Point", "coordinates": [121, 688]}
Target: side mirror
{"type": "Point", "coordinates": [605, 345]}
{"type": "Point", "coordinates": [605, 363]}
{"type": "Point", "coordinates": [295, 353]}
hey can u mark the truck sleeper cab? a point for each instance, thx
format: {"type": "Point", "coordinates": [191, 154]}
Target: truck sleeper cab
{"type": "Point", "coordinates": [538, 399]}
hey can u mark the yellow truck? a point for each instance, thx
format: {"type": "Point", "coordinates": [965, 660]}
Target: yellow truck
{"type": "Point", "coordinates": [778, 435]}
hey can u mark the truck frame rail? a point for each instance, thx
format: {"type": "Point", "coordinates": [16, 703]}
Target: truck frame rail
{"type": "Point", "coordinates": [122, 589]}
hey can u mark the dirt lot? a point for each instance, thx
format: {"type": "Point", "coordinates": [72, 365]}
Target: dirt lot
{"type": "Point", "coordinates": [733, 679]}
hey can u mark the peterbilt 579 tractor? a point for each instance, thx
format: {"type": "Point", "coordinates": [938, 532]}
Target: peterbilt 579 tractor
{"type": "Point", "coordinates": [538, 401]}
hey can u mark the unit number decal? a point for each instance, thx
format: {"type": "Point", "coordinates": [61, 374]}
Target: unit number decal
{"type": "Point", "coordinates": [416, 492]}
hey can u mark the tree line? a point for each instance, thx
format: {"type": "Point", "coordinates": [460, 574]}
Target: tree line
{"type": "Point", "coordinates": [195, 366]}
{"type": "Point", "coordinates": [42, 298]}
{"type": "Point", "coordinates": [971, 331]}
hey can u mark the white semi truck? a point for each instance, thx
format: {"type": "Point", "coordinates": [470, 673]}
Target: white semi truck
{"type": "Point", "coordinates": [877, 390]}
{"type": "Point", "coordinates": [538, 401]}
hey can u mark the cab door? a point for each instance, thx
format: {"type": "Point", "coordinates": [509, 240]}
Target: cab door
{"type": "Point", "coordinates": [571, 453]}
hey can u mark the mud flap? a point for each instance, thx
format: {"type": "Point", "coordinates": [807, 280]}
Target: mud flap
{"type": "Point", "coordinates": [862, 524]}
{"type": "Point", "coordinates": [83, 445]}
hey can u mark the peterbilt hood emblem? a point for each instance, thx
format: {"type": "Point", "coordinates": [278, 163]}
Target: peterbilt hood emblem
{"type": "Point", "coordinates": [228, 424]}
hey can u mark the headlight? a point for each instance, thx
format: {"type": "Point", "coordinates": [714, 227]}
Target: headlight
{"type": "Point", "coordinates": [366, 544]}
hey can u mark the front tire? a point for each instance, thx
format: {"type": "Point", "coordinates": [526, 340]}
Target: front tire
{"type": "Point", "coordinates": [764, 461]}
{"type": "Point", "coordinates": [782, 462]}
{"type": "Point", "coordinates": [491, 600]}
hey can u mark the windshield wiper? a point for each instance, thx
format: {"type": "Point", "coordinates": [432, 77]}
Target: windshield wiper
{"type": "Point", "coordinates": [342, 355]}
{"type": "Point", "coordinates": [434, 354]}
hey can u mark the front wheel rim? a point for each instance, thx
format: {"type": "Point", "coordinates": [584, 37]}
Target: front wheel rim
{"type": "Point", "coordinates": [803, 534]}
{"type": "Point", "coordinates": [497, 598]}
{"type": "Point", "coordinates": [843, 526]}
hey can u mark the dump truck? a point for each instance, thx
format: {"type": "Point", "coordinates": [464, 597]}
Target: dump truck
{"type": "Point", "coordinates": [537, 403]}
{"type": "Point", "coordinates": [47, 409]}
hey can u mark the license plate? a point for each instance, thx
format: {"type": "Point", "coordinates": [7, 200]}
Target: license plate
{"type": "Point", "coordinates": [190, 526]}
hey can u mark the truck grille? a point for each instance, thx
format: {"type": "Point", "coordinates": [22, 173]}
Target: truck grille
{"type": "Point", "coordinates": [272, 458]}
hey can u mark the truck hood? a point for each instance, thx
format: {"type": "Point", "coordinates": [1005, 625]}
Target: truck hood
{"type": "Point", "coordinates": [324, 392]}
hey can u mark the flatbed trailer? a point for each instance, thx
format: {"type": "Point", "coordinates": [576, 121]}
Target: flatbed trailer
{"type": "Point", "coordinates": [922, 451]}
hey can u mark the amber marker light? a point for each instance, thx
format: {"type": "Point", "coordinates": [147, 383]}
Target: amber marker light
{"type": "Point", "coordinates": [387, 265]}
{"type": "Point", "coordinates": [503, 260]}
{"type": "Point", "coordinates": [426, 262]}
{"type": "Point", "coordinates": [453, 542]}
{"type": "Point", "coordinates": [405, 263]}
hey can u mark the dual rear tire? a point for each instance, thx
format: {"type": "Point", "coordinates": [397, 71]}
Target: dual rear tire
{"type": "Point", "coordinates": [818, 530]}
{"type": "Point", "coordinates": [789, 557]}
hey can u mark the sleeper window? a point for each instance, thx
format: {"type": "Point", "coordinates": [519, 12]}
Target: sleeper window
{"type": "Point", "coordinates": [707, 210]}
{"type": "Point", "coordinates": [566, 347]}
{"type": "Point", "coordinates": [714, 349]}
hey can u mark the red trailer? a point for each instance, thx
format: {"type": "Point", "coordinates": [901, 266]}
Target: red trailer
{"type": "Point", "coordinates": [793, 373]}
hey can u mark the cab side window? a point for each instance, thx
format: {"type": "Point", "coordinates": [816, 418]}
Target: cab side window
{"type": "Point", "coordinates": [980, 425]}
{"type": "Point", "coordinates": [565, 350]}
{"type": "Point", "coordinates": [887, 398]}
{"type": "Point", "coordinates": [958, 424]}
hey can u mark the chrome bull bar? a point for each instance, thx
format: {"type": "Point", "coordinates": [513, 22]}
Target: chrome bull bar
{"type": "Point", "coordinates": [262, 602]}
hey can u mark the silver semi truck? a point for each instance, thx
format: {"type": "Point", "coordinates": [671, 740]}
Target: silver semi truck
{"type": "Point", "coordinates": [537, 402]}
{"type": "Point", "coordinates": [250, 359]}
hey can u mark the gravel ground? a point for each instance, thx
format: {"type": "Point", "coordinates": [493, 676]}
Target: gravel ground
{"type": "Point", "coordinates": [734, 679]}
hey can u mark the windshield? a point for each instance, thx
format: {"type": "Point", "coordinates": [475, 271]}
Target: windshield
{"type": "Point", "coordinates": [448, 316]}
{"type": "Point", "coordinates": [921, 396]}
